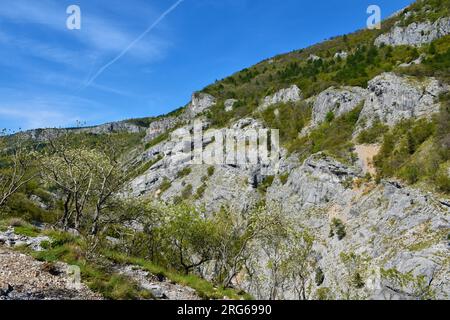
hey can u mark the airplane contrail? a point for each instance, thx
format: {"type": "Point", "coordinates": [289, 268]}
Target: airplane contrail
{"type": "Point", "coordinates": [124, 51]}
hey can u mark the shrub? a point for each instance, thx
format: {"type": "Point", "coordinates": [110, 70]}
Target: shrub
{"type": "Point", "coordinates": [157, 140]}
{"type": "Point", "coordinates": [211, 171]}
{"type": "Point", "coordinates": [200, 191]}
{"type": "Point", "coordinates": [337, 228]}
{"type": "Point", "coordinates": [374, 134]}
{"type": "Point", "coordinates": [320, 277]}
{"type": "Point", "coordinates": [184, 172]}
{"type": "Point", "coordinates": [333, 138]}
{"type": "Point", "coordinates": [330, 116]}
{"type": "Point", "coordinates": [165, 185]}
{"type": "Point", "coordinates": [443, 180]}
{"type": "Point", "coordinates": [284, 178]}
{"type": "Point", "coordinates": [266, 183]}
{"type": "Point", "coordinates": [357, 281]}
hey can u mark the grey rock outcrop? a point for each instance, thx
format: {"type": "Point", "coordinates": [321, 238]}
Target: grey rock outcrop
{"type": "Point", "coordinates": [313, 57]}
{"type": "Point", "coordinates": [395, 236]}
{"type": "Point", "coordinates": [200, 102]}
{"type": "Point", "coordinates": [42, 135]}
{"type": "Point", "coordinates": [393, 98]}
{"type": "Point", "coordinates": [415, 34]}
{"type": "Point", "coordinates": [338, 101]}
{"type": "Point", "coordinates": [10, 239]}
{"type": "Point", "coordinates": [159, 127]}
{"type": "Point", "coordinates": [291, 94]}
{"type": "Point", "coordinates": [229, 104]}
{"type": "Point", "coordinates": [341, 54]}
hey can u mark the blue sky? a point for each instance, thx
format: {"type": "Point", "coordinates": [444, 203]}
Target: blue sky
{"type": "Point", "coordinates": [44, 67]}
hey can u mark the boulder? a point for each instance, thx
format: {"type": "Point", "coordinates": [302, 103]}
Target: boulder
{"type": "Point", "coordinates": [291, 94]}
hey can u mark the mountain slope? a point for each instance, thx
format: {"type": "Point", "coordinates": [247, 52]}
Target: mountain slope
{"type": "Point", "coordinates": [357, 206]}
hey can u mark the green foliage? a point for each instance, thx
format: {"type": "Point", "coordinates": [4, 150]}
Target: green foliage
{"type": "Point", "coordinates": [165, 185]}
{"type": "Point", "coordinates": [415, 286]}
{"type": "Point", "coordinates": [211, 171]}
{"type": "Point", "coordinates": [184, 172]}
{"type": "Point", "coordinates": [284, 178]}
{"type": "Point", "coordinates": [319, 277]}
{"type": "Point", "coordinates": [323, 294]}
{"type": "Point", "coordinates": [203, 288]}
{"type": "Point", "coordinates": [142, 122]}
{"type": "Point", "coordinates": [333, 138]}
{"type": "Point", "coordinates": [72, 250]}
{"type": "Point", "coordinates": [374, 134]}
{"type": "Point", "coordinates": [429, 10]}
{"type": "Point", "coordinates": [337, 228]}
{"type": "Point", "coordinates": [143, 168]}
{"type": "Point", "coordinates": [157, 140]}
{"type": "Point", "coordinates": [330, 116]}
{"type": "Point", "coordinates": [418, 150]}
{"type": "Point", "coordinates": [200, 191]}
{"type": "Point", "coordinates": [27, 230]}
{"type": "Point", "coordinates": [288, 118]}
{"type": "Point", "coordinates": [266, 183]}
{"type": "Point", "coordinates": [357, 281]}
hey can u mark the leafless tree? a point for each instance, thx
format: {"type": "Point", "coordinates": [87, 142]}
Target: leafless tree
{"type": "Point", "coordinates": [16, 166]}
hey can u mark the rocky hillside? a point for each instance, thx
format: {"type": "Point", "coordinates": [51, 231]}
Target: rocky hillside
{"type": "Point", "coordinates": [363, 168]}
{"type": "Point", "coordinates": [395, 233]}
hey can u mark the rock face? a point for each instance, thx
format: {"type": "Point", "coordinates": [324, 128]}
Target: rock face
{"type": "Point", "coordinates": [395, 236]}
{"type": "Point", "coordinates": [415, 34]}
{"type": "Point", "coordinates": [159, 127]}
{"type": "Point", "coordinates": [112, 127]}
{"type": "Point", "coordinates": [42, 135]}
{"type": "Point", "coordinates": [313, 57]}
{"type": "Point", "coordinates": [229, 104]}
{"type": "Point", "coordinates": [393, 98]}
{"type": "Point", "coordinates": [341, 54]}
{"type": "Point", "coordinates": [200, 102]}
{"type": "Point", "coordinates": [226, 186]}
{"type": "Point", "coordinates": [338, 101]}
{"type": "Point", "coordinates": [292, 94]}
{"type": "Point", "coordinates": [393, 232]}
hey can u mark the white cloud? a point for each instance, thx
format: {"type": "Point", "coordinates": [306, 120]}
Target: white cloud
{"type": "Point", "coordinates": [46, 111]}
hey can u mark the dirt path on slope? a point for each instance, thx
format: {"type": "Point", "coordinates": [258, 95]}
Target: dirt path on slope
{"type": "Point", "coordinates": [366, 153]}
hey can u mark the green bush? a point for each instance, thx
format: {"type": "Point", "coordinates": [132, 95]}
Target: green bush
{"type": "Point", "coordinates": [337, 228]}
{"type": "Point", "coordinates": [165, 185]}
{"type": "Point", "coordinates": [266, 183]}
{"type": "Point", "coordinates": [330, 116]}
{"type": "Point", "coordinates": [331, 137]}
{"type": "Point", "coordinates": [211, 171]}
{"type": "Point", "coordinates": [374, 134]}
{"type": "Point", "coordinates": [284, 178]}
{"type": "Point", "coordinates": [184, 172]}
{"type": "Point", "coordinates": [157, 140]}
